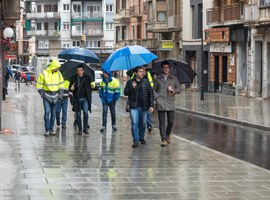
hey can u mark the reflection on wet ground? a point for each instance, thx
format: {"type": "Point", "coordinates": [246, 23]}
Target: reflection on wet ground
{"type": "Point", "coordinates": [104, 166]}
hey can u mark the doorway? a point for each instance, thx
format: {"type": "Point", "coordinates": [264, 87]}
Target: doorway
{"type": "Point", "coordinates": [258, 69]}
{"type": "Point", "coordinates": [216, 74]}
{"type": "Point", "coordinates": [224, 69]}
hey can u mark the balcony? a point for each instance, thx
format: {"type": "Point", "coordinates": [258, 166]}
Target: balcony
{"type": "Point", "coordinates": [149, 43]}
{"type": "Point", "coordinates": [76, 32]}
{"type": "Point", "coordinates": [229, 13]}
{"type": "Point", "coordinates": [251, 12]}
{"type": "Point", "coordinates": [94, 32]}
{"type": "Point", "coordinates": [49, 33]}
{"type": "Point", "coordinates": [122, 15]}
{"type": "Point", "coordinates": [87, 15]}
{"type": "Point", "coordinates": [44, 15]}
{"type": "Point", "coordinates": [174, 22]}
{"type": "Point", "coordinates": [145, 8]}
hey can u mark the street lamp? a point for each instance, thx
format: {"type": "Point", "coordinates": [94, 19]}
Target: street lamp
{"type": "Point", "coordinates": [7, 34]}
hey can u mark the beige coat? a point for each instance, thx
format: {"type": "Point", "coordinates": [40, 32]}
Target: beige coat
{"type": "Point", "coordinates": [164, 100]}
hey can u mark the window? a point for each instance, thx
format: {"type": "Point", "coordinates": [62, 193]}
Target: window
{"type": "Point", "coordinates": [66, 45]}
{"type": "Point", "coordinates": [38, 8]}
{"type": "Point", "coordinates": [109, 8]}
{"type": "Point", "coordinates": [33, 25]}
{"type": "Point", "coordinates": [76, 8]}
{"type": "Point", "coordinates": [50, 8]}
{"type": "Point", "coordinates": [109, 26]}
{"type": "Point", "coordinates": [39, 26]}
{"type": "Point", "coordinates": [76, 43]}
{"type": "Point", "coordinates": [161, 16]}
{"type": "Point", "coordinates": [264, 2]}
{"type": "Point", "coordinates": [66, 26]}
{"type": "Point", "coordinates": [55, 25]}
{"type": "Point", "coordinates": [43, 44]}
{"type": "Point", "coordinates": [66, 7]}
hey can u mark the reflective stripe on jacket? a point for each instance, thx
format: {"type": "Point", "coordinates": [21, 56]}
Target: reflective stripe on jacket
{"type": "Point", "coordinates": [109, 91]}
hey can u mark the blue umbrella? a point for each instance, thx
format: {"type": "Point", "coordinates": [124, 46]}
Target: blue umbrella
{"type": "Point", "coordinates": [79, 55]}
{"type": "Point", "coordinates": [9, 71]}
{"type": "Point", "coordinates": [127, 58]}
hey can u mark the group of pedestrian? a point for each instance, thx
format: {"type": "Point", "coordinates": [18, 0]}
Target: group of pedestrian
{"type": "Point", "coordinates": [141, 91]}
{"type": "Point", "coordinates": [141, 98]}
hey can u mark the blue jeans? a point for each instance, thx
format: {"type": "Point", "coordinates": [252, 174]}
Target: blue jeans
{"type": "Point", "coordinates": [62, 105]}
{"type": "Point", "coordinates": [83, 105]}
{"type": "Point", "coordinates": [49, 115]}
{"type": "Point", "coordinates": [149, 119]}
{"type": "Point", "coordinates": [138, 123]}
{"type": "Point", "coordinates": [105, 111]}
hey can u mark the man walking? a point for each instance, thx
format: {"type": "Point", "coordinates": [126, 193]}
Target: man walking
{"type": "Point", "coordinates": [62, 105]}
{"type": "Point", "coordinates": [109, 93]}
{"type": "Point", "coordinates": [50, 85]}
{"type": "Point", "coordinates": [140, 95]}
{"type": "Point", "coordinates": [165, 88]}
{"type": "Point", "coordinates": [17, 77]}
{"type": "Point", "coordinates": [80, 85]}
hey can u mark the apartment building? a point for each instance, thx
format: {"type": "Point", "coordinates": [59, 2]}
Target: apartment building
{"type": "Point", "coordinates": [194, 24]}
{"type": "Point", "coordinates": [164, 21]}
{"type": "Point", "coordinates": [61, 24]}
{"type": "Point", "coordinates": [131, 25]}
{"type": "Point", "coordinates": [257, 21]}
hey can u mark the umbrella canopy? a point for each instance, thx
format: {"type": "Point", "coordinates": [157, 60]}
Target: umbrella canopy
{"type": "Point", "coordinates": [68, 69]}
{"type": "Point", "coordinates": [79, 54]}
{"type": "Point", "coordinates": [9, 71]}
{"type": "Point", "coordinates": [180, 69]}
{"type": "Point", "coordinates": [127, 58]}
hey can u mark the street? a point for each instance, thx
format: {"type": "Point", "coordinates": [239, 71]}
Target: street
{"type": "Point", "coordinates": [105, 166]}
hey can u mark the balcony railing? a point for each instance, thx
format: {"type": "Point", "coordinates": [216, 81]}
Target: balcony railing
{"type": "Point", "coordinates": [225, 14]}
{"type": "Point", "coordinates": [51, 33]}
{"type": "Point", "coordinates": [149, 43]}
{"type": "Point", "coordinates": [96, 14]}
{"type": "Point", "coordinates": [94, 32]}
{"type": "Point", "coordinates": [251, 12]}
{"type": "Point", "coordinates": [43, 15]}
{"type": "Point", "coordinates": [122, 14]}
{"type": "Point", "coordinates": [76, 32]}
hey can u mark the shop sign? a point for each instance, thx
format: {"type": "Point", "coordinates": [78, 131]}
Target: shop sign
{"type": "Point", "coordinates": [220, 48]}
{"type": "Point", "coordinates": [167, 45]}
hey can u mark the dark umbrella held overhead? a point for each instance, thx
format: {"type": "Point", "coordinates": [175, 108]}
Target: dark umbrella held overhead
{"type": "Point", "coordinates": [68, 69]}
{"type": "Point", "coordinates": [79, 55]}
{"type": "Point", "coordinates": [180, 69]}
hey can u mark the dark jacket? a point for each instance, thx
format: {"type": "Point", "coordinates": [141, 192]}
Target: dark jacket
{"type": "Point", "coordinates": [75, 99]}
{"type": "Point", "coordinates": [132, 93]}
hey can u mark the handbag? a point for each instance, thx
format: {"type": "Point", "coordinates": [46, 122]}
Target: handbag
{"type": "Point", "coordinates": [127, 106]}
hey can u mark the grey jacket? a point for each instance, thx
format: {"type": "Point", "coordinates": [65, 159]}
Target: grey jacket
{"type": "Point", "coordinates": [165, 101]}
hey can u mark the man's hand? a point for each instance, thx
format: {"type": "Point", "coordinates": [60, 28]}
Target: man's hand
{"type": "Point", "coordinates": [134, 84]}
{"type": "Point", "coordinates": [151, 109]}
{"type": "Point", "coordinates": [72, 88]}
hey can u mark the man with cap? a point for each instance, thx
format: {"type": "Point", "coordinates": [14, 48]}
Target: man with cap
{"type": "Point", "coordinates": [50, 85]}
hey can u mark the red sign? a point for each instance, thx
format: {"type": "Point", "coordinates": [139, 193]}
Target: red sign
{"type": "Point", "coordinates": [9, 55]}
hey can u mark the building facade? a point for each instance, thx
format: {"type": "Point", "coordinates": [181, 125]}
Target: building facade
{"type": "Point", "coordinates": [61, 24]}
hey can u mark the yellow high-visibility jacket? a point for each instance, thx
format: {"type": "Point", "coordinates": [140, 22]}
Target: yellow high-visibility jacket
{"type": "Point", "coordinates": [51, 85]}
{"type": "Point", "coordinates": [148, 76]}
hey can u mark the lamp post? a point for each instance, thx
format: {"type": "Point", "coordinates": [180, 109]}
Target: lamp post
{"type": "Point", "coordinates": [202, 60]}
{"type": "Point", "coordinates": [5, 42]}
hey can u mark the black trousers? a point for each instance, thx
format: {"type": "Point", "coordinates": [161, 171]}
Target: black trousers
{"type": "Point", "coordinates": [165, 131]}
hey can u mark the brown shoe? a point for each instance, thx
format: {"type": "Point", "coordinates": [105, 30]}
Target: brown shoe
{"type": "Point", "coordinates": [164, 143]}
{"type": "Point", "coordinates": [169, 139]}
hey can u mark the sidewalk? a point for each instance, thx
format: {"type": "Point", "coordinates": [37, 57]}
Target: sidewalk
{"type": "Point", "coordinates": [106, 167]}
{"type": "Point", "coordinates": [239, 110]}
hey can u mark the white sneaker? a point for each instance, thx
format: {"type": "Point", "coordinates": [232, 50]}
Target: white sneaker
{"type": "Point", "coordinates": [47, 133]}
{"type": "Point", "coordinates": [52, 132]}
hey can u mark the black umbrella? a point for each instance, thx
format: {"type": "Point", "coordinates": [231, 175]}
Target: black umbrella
{"type": "Point", "coordinates": [68, 69]}
{"type": "Point", "coordinates": [180, 69]}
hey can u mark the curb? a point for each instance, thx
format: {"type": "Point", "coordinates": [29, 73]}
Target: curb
{"type": "Point", "coordinates": [221, 118]}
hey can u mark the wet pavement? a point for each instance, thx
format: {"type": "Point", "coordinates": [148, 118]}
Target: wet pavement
{"type": "Point", "coordinates": [104, 166]}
